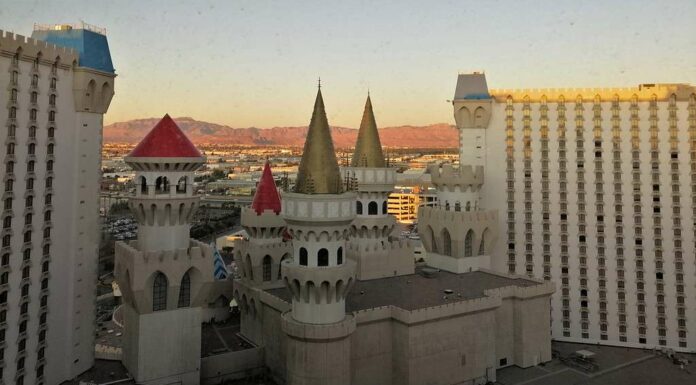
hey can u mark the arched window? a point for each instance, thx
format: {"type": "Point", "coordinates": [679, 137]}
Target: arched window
{"type": "Point", "coordinates": [5, 259]}
{"type": "Point", "coordinates": [384, 207]}
{"type": "Point", "coordinates": [249, 267]}
{"type": "Point", "coordinates": [446, 243]}
{"type": "Point", "coordinates": [6, 240]}
{"type": "Point", "coordinates": [34, 97]}
{"type": "Point", "coordinates": [323, 257]}
{"type": "Point", "coordinates": [482, 246]}
{"type": "Point", "coordinates": [267, 268]}
{"type": "Point", "coordinates": [143, 185]}
{"type": "Point", "coordinates": [49, 149]}
{"type": "Point", "coordinates": [32, 149]}
{"type": "Point", "coordinates": [7, 222]}
{"type": "Point", "coordinates": [4, 278]}
{"type": "Point", "coordinates": [372, 208]}
{"type": "Point", "coordinates": [468, 206]}
{"type": "Point", "coordinates": [10, 148]}
{"type": "Point", "coordinates": [51, 116]}
{"type": "Point", "coordinates": [162, 184]}
{"type": "Point", "coordinates": [431, 236]}
{"type": "Point", "coordinates": [51, 132]}
{"type": "Point", "coordinates": [447, 205]}
{"type": "Point", "coordinates": [469, 244]}
{"type": "Point", "coordinates": [52, 100]}
{"type": "Point", "coordinates": [49, 165]}
{"type": "Point", "coordinates": [8, 204]}
{"type": "Point", "coordinates": [358, 208]}
{"type": "Point", "coordinates": [32, 114]}
{"type": "Point", "coordinates": [30, 166]}
{"type": "Point", "coordinates": [181, 185]}
{"type": "Point", "coordinates": [13, 113]}
{"type": "Point", "coordinates": [185, 291]}
{"type": "Point", "coordinates": [11, 130]}
{"type": "Point", "coordinates": [339, 255]}
{"type": "Point", "coordinates": [457, 206]}
{"type": "Point", "coordinates": [9, 167]}
{"type": "Point", "coordinates": [281, 265]}
{"type": "Point", "coordinates": [159, 292]}
{"type": "Point", "coordinates": [13, 95]}
{"type": "Point", "coordinates": [26, 254]}
{"type": "Point", "coordinates": [303, 256]}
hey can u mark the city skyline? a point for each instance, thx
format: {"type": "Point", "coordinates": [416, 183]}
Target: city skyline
{"type": "Point", "coordinates": [404, 54]}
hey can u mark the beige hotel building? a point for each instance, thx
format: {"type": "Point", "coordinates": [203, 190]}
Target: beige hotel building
{"type": "Point", "coordinates": [596, 191]}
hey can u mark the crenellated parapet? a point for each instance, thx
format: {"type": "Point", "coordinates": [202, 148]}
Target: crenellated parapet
{"type": "Point", "coordinates": [458, 241]}
{"type": "Point", "coordinates": [30, 49]}
{"type": "Point", "coordinates": [463, 178]}
{"type": "Point", "coordinates": [164, 210]}
{"type": "Point", "coordinates": [318, 208]}
{"type": "Point", "coordinates": [135, 271]}
{"type": "Point", "coordinates": [370, 179]}
{"type": "Point", "coordinates": [260, 263]}
{"type": "Point", "coordinates": [265, 226]}
{"type": "Point", "coordinates": [330, 287]}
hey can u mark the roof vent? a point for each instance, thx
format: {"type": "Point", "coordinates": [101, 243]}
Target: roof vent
{"type": "Point", "coordinates": [429, 272]}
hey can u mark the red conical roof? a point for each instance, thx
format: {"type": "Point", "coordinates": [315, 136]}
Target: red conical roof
{"type": "Point", "coordinates": [266, 197]}
{"type": "Point", "coordinates": [165, 140]}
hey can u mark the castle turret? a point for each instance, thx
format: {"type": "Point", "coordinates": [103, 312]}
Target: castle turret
{"type": "Point", "coordinates": [164, 203]}
{"type": "Point", "coordinates": [166, 278]}
{"type": "Point", "coordinates": [261, 253]}
{"type": "Point", "coordinates": [459, 234]}
{"type": "Point", "coordinates": [318, 214]}
{"type": "Point", "coordinates": [370, 246]}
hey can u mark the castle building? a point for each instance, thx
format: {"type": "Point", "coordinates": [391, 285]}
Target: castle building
{"type": "Point", "coordinates": [353, 307]}
{"type": "Point", "coordinates": [596, 192]}
{"type": "Point", "coordinates": [370, 245]}
{"type": "Point", "coordinates": [166, 278]}
{"type": "Point", "coordinates": [56, 87]}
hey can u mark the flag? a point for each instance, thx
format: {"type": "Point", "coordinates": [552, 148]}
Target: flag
{"type": "Point", "coordinates": [220, 270]}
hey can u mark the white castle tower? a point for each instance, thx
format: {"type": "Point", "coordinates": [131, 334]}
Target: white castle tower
{"type": "Point", "coordinates": [260, 255]}
{"type": "Point", "coordinates": [370, 246]}
{"type": "Point", "coordinates": [318, 214]}
{"type": "Point", "coordinates": [459, 234]}
{"type": "Point", "coordinates": [165, 277]}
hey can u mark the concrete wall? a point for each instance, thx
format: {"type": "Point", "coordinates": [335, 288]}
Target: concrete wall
{"type": "Point", "coordinates": [231, 366]}
{"type": "Point", "coordinates": [165, 348]}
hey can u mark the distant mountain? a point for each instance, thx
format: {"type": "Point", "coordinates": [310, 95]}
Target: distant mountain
{"type": "Point", "coordinates": [439, 135]}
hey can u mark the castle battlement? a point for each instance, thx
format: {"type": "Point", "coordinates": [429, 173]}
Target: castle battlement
{"type": "Point", "coordinates": [644, 92]}
{"type": "Point", "coordinates": [9, 42]}
{"type": "Point", "coordinates": [196, 251]}
{"type": "Point", "coordinates": [392, 245]}
{"type": "Point", "coordinates": [492, 299]}
{"type": "Point", "coordinates": [436, 214]}
{"type": "Point", "coordinates": [448, 176]}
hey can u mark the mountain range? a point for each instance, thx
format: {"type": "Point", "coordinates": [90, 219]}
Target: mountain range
{"type": "Point", "coordinates": [440, 135]}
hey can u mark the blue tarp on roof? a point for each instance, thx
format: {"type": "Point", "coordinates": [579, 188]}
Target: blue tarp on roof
{"type": "Point", "coordinates": [92, 46]}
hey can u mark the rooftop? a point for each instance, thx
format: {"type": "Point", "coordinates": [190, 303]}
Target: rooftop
{"type": "Point", "coordinates": [614, 365]}
{"type": "Point", "coordinates": [266, 196]}
{"type": "Point", "coordinates": [415, 291]}
{"type": "Point", "coordinates": [88, 40]}
{"type": "Point", "coordinates": [165, 140]}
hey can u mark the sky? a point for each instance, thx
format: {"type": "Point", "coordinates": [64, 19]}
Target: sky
{"type": "Point", "coordinates": [256, 63]}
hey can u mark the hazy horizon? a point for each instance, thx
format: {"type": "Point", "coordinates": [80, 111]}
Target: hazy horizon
{"type": "Point", "coordinates": [255, 64]}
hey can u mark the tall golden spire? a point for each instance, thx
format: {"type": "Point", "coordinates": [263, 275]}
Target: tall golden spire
{"type": "Point", "coordinates": [318, 172]}
{"type": "Point", "coordinates": [368, 149]}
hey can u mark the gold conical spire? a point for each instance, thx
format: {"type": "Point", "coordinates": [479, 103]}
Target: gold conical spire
{"type": "Point", "coordinates": [318, 172]}
{"type": "Point", "coordinates": [368, 149]}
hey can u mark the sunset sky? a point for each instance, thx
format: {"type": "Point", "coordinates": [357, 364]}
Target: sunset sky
{"type": "Point", "coordinates": [256, 63]}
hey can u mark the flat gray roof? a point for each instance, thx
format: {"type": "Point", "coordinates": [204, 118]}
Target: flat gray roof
{"type": "Point", "coordinates": [616, 366]}
{"type": "Point", "coordinates": [414, 291]}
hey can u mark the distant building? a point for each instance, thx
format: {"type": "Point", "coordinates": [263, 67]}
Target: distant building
{"type": "Point", "coordinates": [56, 87]}
{"type": "Point", "coordinates": [596, 192]}
{"type": "Point", "coordinates": [404, 202]}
